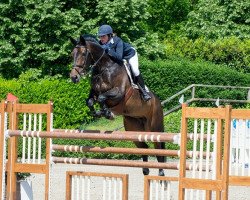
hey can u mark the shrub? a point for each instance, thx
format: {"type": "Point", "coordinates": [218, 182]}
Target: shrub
{"type": "Point", "coordinates": [167, 77]}
{"type": "Point", "coordinates": [70, 110]}
{"type": "Point", "coordinates": [231, 51]}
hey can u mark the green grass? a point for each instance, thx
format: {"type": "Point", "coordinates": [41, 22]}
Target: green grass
{"type": "Point", "coordinates": [104, 124]}
{"type": "Point", "coordinates": [172, 123]}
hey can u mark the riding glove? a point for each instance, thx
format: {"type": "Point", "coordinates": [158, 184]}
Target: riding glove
{"type": "Point", "coordinates": [106, 47]}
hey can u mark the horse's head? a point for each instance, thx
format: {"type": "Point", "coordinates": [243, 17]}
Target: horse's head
{"type": "Point", "coordinates": [82, 59]}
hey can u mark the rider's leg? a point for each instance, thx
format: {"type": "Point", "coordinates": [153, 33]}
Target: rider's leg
{"type": "Point", "coordinates": [140, 82]}
{"type": "Point", "coordinates": [138, 77]}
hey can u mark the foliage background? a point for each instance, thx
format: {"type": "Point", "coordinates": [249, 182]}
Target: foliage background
{"type": "Point", "coordinates": [34, 33]}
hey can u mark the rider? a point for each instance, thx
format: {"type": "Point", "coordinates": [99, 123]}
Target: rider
{"type": "Point", "coordinates": [119, 50]}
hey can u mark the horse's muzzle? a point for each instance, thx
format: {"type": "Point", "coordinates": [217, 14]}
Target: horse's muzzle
{"type": "Point", "coordinates": [75, 79]}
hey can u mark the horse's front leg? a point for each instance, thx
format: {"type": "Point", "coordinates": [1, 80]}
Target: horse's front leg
{"type": "Point", "coordinates": [90, 103]}
{"type": "Point", "coordinates": [114, 93]}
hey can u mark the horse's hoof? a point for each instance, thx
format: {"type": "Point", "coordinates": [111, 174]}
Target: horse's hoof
{"type": "Point", "coordinates": [109, 115]}
{"type": "Point", "coordinates": [97, 114]}
{"type": "Point", "coordinates": [161, 172]}
{"type": "Point", "coordinates": [90, 102]}
{"type": "Point", "coordinates": [165, 184]}
{"type": "Point", "coordinates": [145, 171]}
{"type": "Point", "coordinates": [101, 98]}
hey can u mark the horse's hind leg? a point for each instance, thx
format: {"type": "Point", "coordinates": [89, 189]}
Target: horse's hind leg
{"type": "Point", "coordinates": [162, 159]}
{"type": "Point", "coordinates": [145, 171]}
{"type": "Point", "coordinates": [158, 126]}
{"type": "Point", "coordinates": [134, 124]}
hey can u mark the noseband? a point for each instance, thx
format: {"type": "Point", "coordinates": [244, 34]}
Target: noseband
{"type": "Point", "coordinates": [83, 66]}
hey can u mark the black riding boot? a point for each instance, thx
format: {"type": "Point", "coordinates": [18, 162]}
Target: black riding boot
{"type": "Point", "coordinates": [140, 82]}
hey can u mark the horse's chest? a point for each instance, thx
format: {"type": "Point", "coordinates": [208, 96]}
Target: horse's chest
{"type": "Point", "coordinates": [101, 83]}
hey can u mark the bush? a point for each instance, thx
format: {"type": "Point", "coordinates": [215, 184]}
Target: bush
{"type": "Point", "coordinates": [167, 77]}
{"type": "Point", "coordinates": [70, 110]}
{"type": "Point", "coordinates": [231, 51]}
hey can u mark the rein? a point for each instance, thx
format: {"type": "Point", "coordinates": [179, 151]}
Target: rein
{"type": "Point", "coordinates": [83, 66]}
{"type": "Point", "coordinates": [96, 62]}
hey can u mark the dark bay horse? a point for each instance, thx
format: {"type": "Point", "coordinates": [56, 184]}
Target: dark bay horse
{"type": "Point", "coordinates": [111, 87]}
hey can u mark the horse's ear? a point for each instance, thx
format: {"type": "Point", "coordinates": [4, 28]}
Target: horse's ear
{"type": "Point", "coordinates": [73, 41]}
{"type": "Point", "coordinates": [82, 40]}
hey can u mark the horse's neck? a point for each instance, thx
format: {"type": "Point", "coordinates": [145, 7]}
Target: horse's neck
{"type": "Point", "coordinates": [106, 64]}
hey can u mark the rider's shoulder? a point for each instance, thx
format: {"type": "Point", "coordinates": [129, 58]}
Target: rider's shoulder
{"type": "Point", "coordinates": [117, 39]}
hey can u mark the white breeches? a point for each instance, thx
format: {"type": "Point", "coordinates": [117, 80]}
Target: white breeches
{"type": "Point", "coordinates": [134, 64]}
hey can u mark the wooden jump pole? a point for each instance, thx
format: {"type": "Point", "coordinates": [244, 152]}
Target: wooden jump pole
{"type": "Point", "coordinates": [190, 136]}
{"type": "Point", "coordinates": [122, 136]}
{"type": "Point", "coordinates": [120, 163]}
{"type": "Point", "coordinates": [153, 137]}
{"type": "Point", "coordinates": [135, 151]}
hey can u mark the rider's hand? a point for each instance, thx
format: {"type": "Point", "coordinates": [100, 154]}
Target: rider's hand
{"type": "Point", "coordinates": [106, 48]}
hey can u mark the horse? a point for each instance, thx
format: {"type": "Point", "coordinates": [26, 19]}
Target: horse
{"type": "Point", "coordinates": [112, 88]}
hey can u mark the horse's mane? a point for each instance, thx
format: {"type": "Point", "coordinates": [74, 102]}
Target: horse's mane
{"type": "Point", "coordinates": [91, 38]}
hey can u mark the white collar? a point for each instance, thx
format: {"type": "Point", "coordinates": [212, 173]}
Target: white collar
{"type": "Point", "coordinates": [111, 41]}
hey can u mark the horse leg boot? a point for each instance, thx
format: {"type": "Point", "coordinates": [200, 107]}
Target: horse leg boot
{"type": "Point", "coordinates": [140, 82]}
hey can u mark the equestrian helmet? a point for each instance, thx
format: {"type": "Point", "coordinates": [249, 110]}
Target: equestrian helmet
{"type": "Point", "coordinates": [105, 30]}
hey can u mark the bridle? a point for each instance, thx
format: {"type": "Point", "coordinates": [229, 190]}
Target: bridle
{"type": "Point", "coordinates": [83, 66]}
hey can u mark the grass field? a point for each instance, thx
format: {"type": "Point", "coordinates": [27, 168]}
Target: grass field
{"type": "Point", "coordinates": [171, 123]}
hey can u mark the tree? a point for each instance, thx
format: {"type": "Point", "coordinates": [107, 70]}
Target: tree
{"type": "Point", "coordinates": [34, 33]}
{"type": "Point", "coordinates": [129, 20]}
{"type": "Point", "coordinates": [219, 18]}
{"type": "Point", "coordinates": [165, 14]}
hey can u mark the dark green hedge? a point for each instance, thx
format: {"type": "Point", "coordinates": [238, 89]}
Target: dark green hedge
{"type": "Point", "coordinates": [68, 98]}
{"type": "Point", "coordinates": [167, 77]}
{"type": "Point", "coordinates": [231, 51]}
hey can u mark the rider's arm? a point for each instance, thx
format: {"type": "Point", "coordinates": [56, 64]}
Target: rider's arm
{"type": "Point", "coordinates": [116, 51]}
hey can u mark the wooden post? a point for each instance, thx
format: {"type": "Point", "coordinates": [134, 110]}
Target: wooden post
{"type": "Point", "coordinates": [183, 147]}
{"type": "Point", "coordinates": [2, 149]}
{"type": "Point", "coordinates": [68, 185]}
{"type": "Point", "coordinates": [12, 153]}
{"type": "Point", "coordinates": [226, 156]}
{"type": "Point", "coordinates": [48, 151]}
{"type": "Point", "coordinates": [219, 155]}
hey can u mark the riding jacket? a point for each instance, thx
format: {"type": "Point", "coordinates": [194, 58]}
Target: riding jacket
{"type": "Point", "coordinates": [118, 50]}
